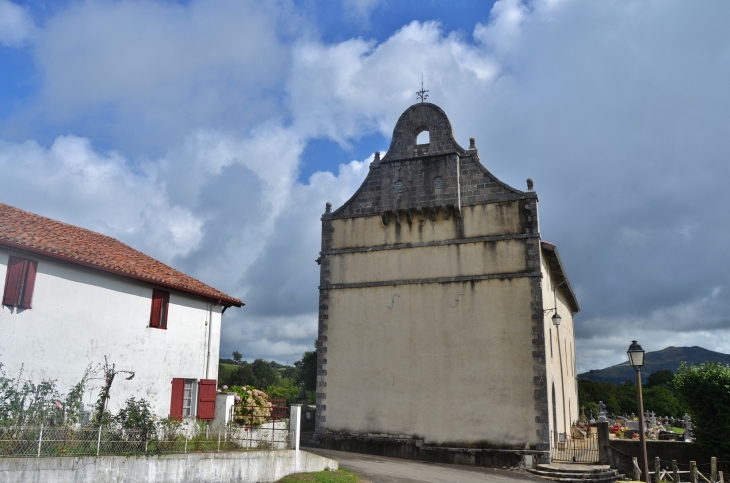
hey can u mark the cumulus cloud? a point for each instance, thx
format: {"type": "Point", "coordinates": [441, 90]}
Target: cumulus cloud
{"type": "Point", "coordinates": [146, 74]}
{"type": "Point", "coordinates": [72, 182]}
{"type": "Point", "coordinates": [16, 24]}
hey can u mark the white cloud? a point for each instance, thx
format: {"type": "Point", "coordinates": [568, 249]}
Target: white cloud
{"type": "Point", "coordinates": [145, 74]}
{"type": "Point", "coordinates": [71, 182]}
{"type": "Point", "coordinates": [360, 10]}
{"type": "Point", "coordinates": [16, 24]}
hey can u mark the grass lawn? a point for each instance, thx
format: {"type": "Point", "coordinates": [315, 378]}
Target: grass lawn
{"type": "Point", "coordinates": [339, 476]}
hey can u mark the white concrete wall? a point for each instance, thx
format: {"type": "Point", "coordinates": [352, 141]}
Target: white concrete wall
{"type": "Point", "coordinates": [562, 342]}
{"type": "Point", "coordinates": [80, 315]}
{"type": "Point", "coordinates": [250, 466]}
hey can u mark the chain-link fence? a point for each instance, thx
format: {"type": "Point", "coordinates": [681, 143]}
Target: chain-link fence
{"type": "Point", "coordinates": [36, 442]}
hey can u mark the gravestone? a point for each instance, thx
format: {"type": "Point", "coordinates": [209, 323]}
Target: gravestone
{"type": "Point", "coordinates": [601, 412]}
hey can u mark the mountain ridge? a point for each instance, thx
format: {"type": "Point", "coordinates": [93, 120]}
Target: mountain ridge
{"type": "Point", "coordinates": [667, 358]}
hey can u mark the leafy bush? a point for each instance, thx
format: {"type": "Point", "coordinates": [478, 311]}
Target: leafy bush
{"type": "Point", "coordinates": [251, 406]}
{"type": "Point", "coordinates": [24, 403]}
{"type": "Point", "coordinates": [705, 390]}
{"type": "Point", "coordinates": [136, 416]}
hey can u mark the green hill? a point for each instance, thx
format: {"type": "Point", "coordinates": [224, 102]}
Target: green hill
{"type": "Point", "coordinates": [668, 358]}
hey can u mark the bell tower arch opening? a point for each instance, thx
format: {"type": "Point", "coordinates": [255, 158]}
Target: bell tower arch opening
{"type": "Point", "coordinates": [422, 135]}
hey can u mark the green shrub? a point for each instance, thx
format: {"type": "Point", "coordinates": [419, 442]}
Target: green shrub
{"type": "Point", "coordinates": [705, 391]}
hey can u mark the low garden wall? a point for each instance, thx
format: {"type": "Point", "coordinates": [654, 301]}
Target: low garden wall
{"type": "Point", "coordinates": [249, 466]}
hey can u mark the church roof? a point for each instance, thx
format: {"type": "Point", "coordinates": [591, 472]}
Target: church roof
{"type": "Point", "coordinates": [412, 167]}
{"type": "Point", "coordinates": [22, 230]}
{"type": "Point", "coordinates": [556, 268]}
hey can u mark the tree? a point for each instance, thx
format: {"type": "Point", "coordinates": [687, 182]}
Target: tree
{"type": "Point", "coordinates": [242, 376]}
{"type": "Point", "coordinates": [237, 356]}
{"type": "Point", "coordinates": [664, 377]}
{"type": "Point", "coordinates": [660, 400]}
{"type": "Point", "coordinates": [705, 391]}
{"type": "Point", "coordinates": [307, 369]}
{"type": "Point", "coordinates": [264, 374]}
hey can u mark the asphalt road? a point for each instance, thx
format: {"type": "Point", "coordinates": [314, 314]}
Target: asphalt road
{"type": "Point", "coordinates": [381, 469]}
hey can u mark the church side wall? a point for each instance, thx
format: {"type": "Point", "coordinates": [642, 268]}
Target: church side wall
{"type": "Point", "coordinates": [560, 344]}
{"type": "Point", "coordinates": [80, 315]}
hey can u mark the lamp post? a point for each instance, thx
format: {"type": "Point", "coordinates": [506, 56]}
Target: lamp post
{"type": "Point", "coordinates": [636, 359]}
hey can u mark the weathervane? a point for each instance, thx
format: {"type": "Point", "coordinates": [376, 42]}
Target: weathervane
{"type": "Point", "coordinates": [422, 94]}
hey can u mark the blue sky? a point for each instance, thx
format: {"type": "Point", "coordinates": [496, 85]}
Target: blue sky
{"type": "Point", "coordinates": [210, 134]}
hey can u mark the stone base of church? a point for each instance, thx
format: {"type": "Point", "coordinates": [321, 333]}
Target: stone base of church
{"type": "Point", "coordinates": [414, 449]}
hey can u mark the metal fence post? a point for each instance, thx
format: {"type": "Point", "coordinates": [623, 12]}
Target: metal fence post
{"type": "Point", "coordinates": [186, 442]}
{"type": "Point", "coordinates": [98, 441]}
{"type": "Point", "coordinates": [219, 441]}
{"type": "Point", "coordinates": [40, 441]}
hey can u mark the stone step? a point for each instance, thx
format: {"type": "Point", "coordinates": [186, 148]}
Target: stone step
{"type": "Point", "coordinates": [573, 477]}
{"type": "Point", "coordinates": [574, 467]}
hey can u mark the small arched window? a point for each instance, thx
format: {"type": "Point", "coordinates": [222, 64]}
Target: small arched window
{"type": "Point", "coordinates": [423, 137]}
{"type": "Point", "coordinates": [438, 183]}
{"type": "Point", "coordinates": [398, 187]}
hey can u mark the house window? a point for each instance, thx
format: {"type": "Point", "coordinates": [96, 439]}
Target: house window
{"type": "Point", "coordinates": [188, 398]}
{"type": "Point", "coordinates": [398, 187]}
{"type": "Point", "coordinates": [438, 183]}
{"type": "Point", "coordinates": [19, 282]}
{"type": "Point", "coordinates": [160, 304]}
{"type": "Point", "coordinates": [192, 398]}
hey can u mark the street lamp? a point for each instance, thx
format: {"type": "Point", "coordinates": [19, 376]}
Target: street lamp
{"type": "Point", "coordinates": [556, 319]}
{"type": "Point", "coordinates": [636, 359]}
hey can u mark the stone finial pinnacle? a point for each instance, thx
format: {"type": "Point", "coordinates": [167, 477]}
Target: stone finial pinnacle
{"type": "Point", "coordinates": [530, 185]}
{"type": "Point", "coordinates": [472, 143]}
{"type": "Point", "coordinates": [377, 157]}
{"type": "Point", "coordinates": [327, 208]}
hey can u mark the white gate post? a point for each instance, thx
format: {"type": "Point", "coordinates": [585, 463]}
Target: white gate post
{"type": "Point", "coordinates": [40, 441]}
{"type": "Point", "coordinates": [295, 421]}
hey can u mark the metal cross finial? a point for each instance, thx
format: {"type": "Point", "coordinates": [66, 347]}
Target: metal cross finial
{"type": "Point", "coordinates": [422, 94]}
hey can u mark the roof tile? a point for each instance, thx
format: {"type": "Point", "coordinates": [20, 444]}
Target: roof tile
{"type": "Point", "coordinates": [71, 243]}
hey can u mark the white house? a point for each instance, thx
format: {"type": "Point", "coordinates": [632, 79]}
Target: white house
{"type": "Point", "coordinates": [72, 297]}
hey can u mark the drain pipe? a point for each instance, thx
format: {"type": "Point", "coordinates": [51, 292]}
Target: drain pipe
{"type": "Point", "coordinates": [210, 331]}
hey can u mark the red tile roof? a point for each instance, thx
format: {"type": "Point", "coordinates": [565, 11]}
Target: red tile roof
{"type": "Point", "coordinates": [27, 231]}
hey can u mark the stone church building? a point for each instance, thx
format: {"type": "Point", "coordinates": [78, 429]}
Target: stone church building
{"type": "Point", "coordinates": [437, 297]}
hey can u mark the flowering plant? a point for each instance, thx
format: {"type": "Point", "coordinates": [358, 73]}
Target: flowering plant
{"type": "Point", "coordinates": [251, 406]}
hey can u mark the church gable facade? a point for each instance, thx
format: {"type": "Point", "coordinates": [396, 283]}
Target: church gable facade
{"type": "Point", "coordinates": [436, 294]}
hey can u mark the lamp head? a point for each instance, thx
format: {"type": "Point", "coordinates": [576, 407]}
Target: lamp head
{"type": "Point", "coordinates": [636, 355]}
{"type": "Point", "coordinates": [556, 319]}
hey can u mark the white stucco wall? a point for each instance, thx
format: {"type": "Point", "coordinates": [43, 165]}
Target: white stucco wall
{"type": "Point", "coordinates": [80, 315]}
{"type": "Point", "coordinates": [559, 343]}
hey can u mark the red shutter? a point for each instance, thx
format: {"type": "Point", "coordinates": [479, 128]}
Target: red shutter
{"type": "Point", "coordinates": [206, 399]}
{"type": "Point", "coordinates": [29, 284]}
{"type": "Point", "coordinates": [14, 281]}
{"type": "Point", "coordinates": [176, 400]}
{"type": "Point", "coordinates": [165, 304]}
{"type": "Point", "coordinates": [156, 312]}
